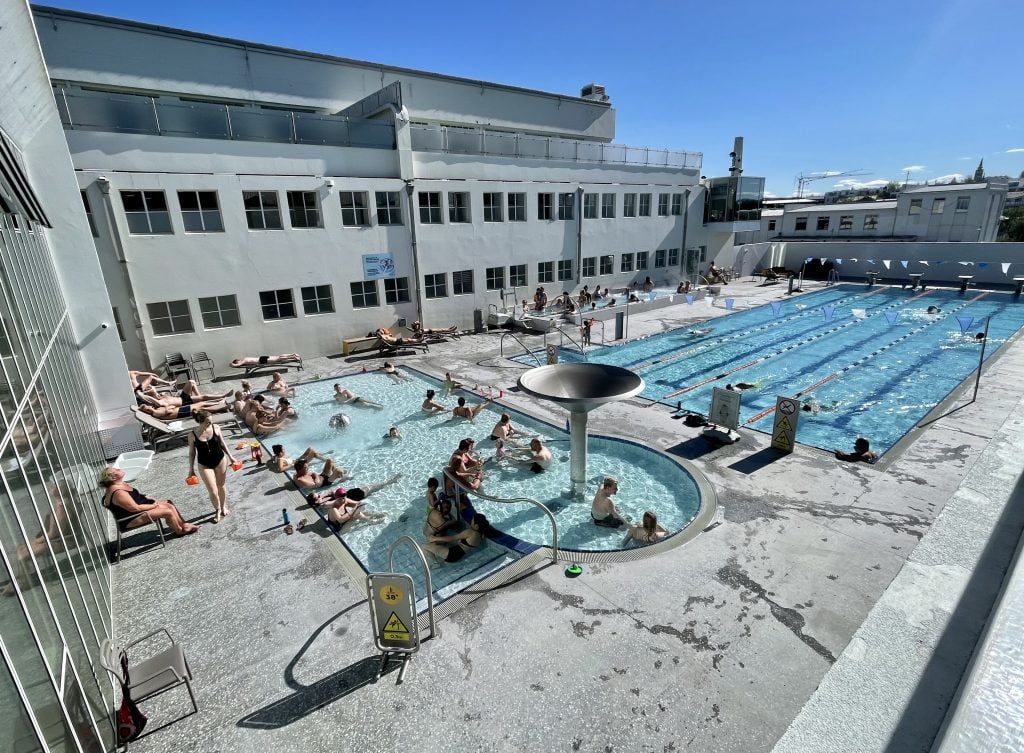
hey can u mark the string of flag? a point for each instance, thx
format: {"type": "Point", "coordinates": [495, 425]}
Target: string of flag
{"type": "Point", "coordinates": [905, 263]}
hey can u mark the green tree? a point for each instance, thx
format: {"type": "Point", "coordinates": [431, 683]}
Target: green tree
{"type": "Point", "coordinates": [1012, 228]}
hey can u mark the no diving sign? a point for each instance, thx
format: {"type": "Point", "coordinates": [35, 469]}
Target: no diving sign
{"type": "Point", "coordinates": [787, 413]}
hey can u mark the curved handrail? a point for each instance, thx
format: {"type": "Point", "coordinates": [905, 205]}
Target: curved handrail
{"type": "Point", "coordinates": [554, 525]}
{"type": "Point", "coordinates": [501, 346]}
{"type": "Point", "coordinates": [426, 572]}
{"type": "Point", "coordinates": [567, 335]}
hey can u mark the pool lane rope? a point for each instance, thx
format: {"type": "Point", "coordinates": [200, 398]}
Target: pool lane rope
{"type": "Point", "coordinates": [835, 374]}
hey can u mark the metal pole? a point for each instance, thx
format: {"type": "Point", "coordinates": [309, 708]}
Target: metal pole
{"type": "Point", "coordinates": [578, 451]}
{"type": "Point", "coordinates": [625, 330]}
{"type": "Point", "coordinates": [981, 360]}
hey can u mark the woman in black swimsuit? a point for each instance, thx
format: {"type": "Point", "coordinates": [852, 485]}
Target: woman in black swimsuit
{"type": "Point", "coordinates": [206, 445]}
{"type": "Point", "coordinates": [124, 502]}
{"type": "Point", "coordinates": [463, 541]}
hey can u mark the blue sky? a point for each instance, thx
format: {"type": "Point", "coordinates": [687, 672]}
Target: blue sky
{"type": "Point", "coordinates": [880, 87]}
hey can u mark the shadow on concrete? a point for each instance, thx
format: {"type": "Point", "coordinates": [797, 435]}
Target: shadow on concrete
{"type": "Point", "coordinates": [757, 461]}
{"type": "Point", "coordinates": [308, 698]}
{"type": "Point", "coordinates": [919, 726]}
{"type": "Point", "coordinates": [948, 413]}
{"type": "Point", "coordinates": [693, 448]}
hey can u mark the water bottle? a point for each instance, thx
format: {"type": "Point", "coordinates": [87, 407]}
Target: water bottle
{"type": "Point", "coordinates": [284, 516]}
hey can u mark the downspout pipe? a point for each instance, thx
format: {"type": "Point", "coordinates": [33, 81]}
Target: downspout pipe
{"type": "Point", "coordinates": [579, 235]}
{"type": "Point", "coordinates": [410, 189]}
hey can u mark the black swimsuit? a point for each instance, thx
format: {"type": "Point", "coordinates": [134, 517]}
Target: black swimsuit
{"type": "Point", "coordinates": [122, 516]}
{"type": "Point", "coordinates": [209, 452]}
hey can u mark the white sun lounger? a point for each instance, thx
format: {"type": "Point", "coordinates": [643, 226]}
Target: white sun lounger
{"type": "Point", "coordinates": [159, 432]}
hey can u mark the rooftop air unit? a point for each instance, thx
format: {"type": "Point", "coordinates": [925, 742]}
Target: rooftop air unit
{"type": "Point", "coordinates": [594, 92]}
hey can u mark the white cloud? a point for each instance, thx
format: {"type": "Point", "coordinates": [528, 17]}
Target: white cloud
{"type": "Point", "coordinates": [770, 195]}
{"type": "Point", "coordinates": [966, 158]}
{"type": "Point", "coordinates": [859, 184]}
{"type": "Point", "coordinates": [912, 169]}
{"type": "Point", "coordinates": [948, 178]}
{"type": "Point", "coordinates": [1015, 150]}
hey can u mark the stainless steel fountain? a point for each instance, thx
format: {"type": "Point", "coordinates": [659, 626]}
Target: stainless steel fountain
{"type": "Point", "coordinates": [580, 387]}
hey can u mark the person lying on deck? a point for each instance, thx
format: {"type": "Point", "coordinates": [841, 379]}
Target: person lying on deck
{"type": "Point", "coordinates": [419, 329]}
{"type": "Point", "coordinates": [398, 342]}
{"type": "Point", "coordinates": [245, 361]}
{"type": "Point", "coordinates": [172, 413]}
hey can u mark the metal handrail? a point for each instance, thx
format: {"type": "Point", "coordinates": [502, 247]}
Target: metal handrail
{"type": "Point", "coordinates": [426, 572]}
{"type": "Point", "coordinates": [567, 335]}
{"type": "Point", "coordinates": [501, 346]}
{"type": "Point", "coordinates": [554, 525]}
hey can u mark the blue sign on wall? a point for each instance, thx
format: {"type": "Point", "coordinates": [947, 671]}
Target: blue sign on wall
{"type": "Point", "coordinates": [378, 266]}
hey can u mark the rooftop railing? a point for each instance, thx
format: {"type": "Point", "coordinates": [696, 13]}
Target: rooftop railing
{"type": "Point", "coordinates": [457, 140]}
{"type": "Point", "coordinates": [170, 116]}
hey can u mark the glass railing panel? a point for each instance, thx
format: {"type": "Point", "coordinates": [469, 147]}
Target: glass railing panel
{"type": "Point", "coordinates": [195, 119]}
{"type": "Point", "coordinates": [111, 112]}
{"type": "Point", "coordinates": [250, 124]}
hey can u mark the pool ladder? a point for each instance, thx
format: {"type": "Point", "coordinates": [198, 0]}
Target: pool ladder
{"type": "Point", "coordinates": [476, 493]}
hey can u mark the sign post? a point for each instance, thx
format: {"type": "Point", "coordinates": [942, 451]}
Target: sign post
{"type": "Point", "coordinates": [393, 616]}
{"type": "Point", "coordinates": [552, 354]}
{"type": "Point", "coordinates": [724, 414]}
{"type": "Point", "coordinates": [787, 414]}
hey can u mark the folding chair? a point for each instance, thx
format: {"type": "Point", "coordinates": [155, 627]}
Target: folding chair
{"type": "Point", "coordinates": [176, 364]}
{"type": "Point", "coordinates": [201, 362]}
{"type": "Point", "coordinates": [121, 526]}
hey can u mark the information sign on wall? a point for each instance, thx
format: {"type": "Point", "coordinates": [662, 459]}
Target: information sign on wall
{"type": "Point", "coordinates": [378, 266]}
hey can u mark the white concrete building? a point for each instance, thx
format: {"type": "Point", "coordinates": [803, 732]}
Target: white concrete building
{"type": "Point", "coordinates": [237, 190]}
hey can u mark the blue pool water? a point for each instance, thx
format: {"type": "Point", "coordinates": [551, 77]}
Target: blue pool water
{"type": "Point", "coordinates": [648, 480]}
{"type": "Point", "coordinates": [875, 359]}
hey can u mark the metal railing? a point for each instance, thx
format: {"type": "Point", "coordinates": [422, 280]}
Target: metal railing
{"type": "Point", "coordinates": [501, 347]}
{"type": "Point", "coordinates": [457, 140]}
{"type": "Point", "coordinates": [540, 505]}
{"type": "Point", "coordinates": [428, 581]}
{"type": "Point", "coordinates": [563, 336]}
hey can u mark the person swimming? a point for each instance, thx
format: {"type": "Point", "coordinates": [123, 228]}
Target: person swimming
{"type": "Point", "coordinates": [699, 332]}
{"type": "Point", "coordinates": [740, 386]}
{"type": "Point", "coordinates": [934, 310]}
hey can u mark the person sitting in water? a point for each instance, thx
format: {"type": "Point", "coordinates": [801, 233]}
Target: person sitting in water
{"type": "Point", "coordinates": [465, 411]}
{"type": "Point", "coordinates": [648, 285]}
{"type": "Point", "coordinates": [439, 511]}
{"type": "Point", "coordinates": [597, 294]}
{"type": "Point", "coordinates": [304, 478]}
{"type": "Point", "coordinates": [473, 537]}
{"type": "Point", "coordinates": [285, 409]}
{"type": "Point", "coordinates": [862, 452]}
{"type": "Point", "coordinates": [503, 429]}
{"type": "Point", "coordinates": [431, 406]}
{"type": "Point", "coordinates": [394, 374]}
{"type": "Point", "coordinates": [238, 405]}
{"type": "Point", "coordinates": [683, 287]}
{"type": "Point", "coordinates": [462, 466]}
{"type": "Point", "coordinates": [648, 531]}
{"type": "Point", "coordinates": [345, 395]}
{"type": "Point", "coordinates": [450, 383]}
{"type": "Point", "coordinates": [500, 453]}
{"type": "Point", "coordinates": [538, 456]}
{"type": "Point", "coordinates": [245, 361]}
{"type": "Point", "coordinates": [611, 302]}
{"type": "Point", "coordinates": [340, 421]}
{"type": "Point", "coordinates": [540, 300]}
{"type": "Point", "coordinates": [633, 298]}
{"type": "Point", "coordinates": [603, 511]}
{"type": "Point", "coordinates": [393, 434]}
{"type": "Point", "coordinates": [279, 385]}
{"type": "Point", "coordinates": [346, 505]}
{"type": "Point", "coordinates": [280, 462]}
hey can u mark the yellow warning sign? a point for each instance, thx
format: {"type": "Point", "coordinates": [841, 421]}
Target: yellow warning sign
{"type": "Point", "coordinates": [395, 629]}
{"type": "Point", "coordinates": [784, 425]}
{"type": "Point", "coordinates": [781, 441]}
{"type": "Point", "coordinates": [390, 594]}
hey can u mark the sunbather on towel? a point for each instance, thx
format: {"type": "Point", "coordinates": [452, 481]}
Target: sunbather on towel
{"type": "Point", "coordinates": [244, 361]}
{"type": "Point", "coordinates": [171, 413]}
{"type": "Point", "coordinates": [419, 329]}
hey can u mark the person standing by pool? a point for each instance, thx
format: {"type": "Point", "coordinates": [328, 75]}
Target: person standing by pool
{"type": "Point", "coordinates": [585, 330]}
{"type": "Point", "coordinates": [648, 531]}
{"type": "Point", "coordinates": [206, 446]}
{"type": "Point", "coordinates": [648, 285]}
{"type": "Point", "coordinates": [603, 510]}
{"type": "Point", "coordinates": [862, 452]}
{"type": "Point", "coordinates": [538, 456]}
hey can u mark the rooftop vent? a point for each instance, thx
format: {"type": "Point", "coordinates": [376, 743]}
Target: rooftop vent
{"type": "Point", "coordinates": [594, 92]}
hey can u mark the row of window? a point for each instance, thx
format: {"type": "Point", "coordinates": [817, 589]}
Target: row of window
{"type": "Point", "coordinates": [963, 203]}
{"type": "Point", "coordinates": [147, 213]}
{"type": "Point", "coordinates": [175, 317]}
{"type": "Point", "coordinates": [824, 222]}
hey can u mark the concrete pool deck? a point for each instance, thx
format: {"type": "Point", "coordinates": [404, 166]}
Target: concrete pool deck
{"type": "Point", "coordinates": [816, 573]}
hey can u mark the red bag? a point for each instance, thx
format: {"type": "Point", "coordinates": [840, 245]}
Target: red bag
{"type": "Point", "coordinates": [130, 721]}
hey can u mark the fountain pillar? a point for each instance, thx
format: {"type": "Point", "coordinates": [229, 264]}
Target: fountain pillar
{"type": "Point", "coordinates": [578, 451]}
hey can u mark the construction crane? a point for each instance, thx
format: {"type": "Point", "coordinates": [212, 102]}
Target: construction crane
{"type": "Point", "coordinates": [804, 178]}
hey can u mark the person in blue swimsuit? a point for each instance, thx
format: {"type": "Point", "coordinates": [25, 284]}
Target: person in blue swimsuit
{"type": "Point", "coordinates": [207, 448]}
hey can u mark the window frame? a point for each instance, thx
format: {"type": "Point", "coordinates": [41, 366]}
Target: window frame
{"type": "Point", "coordinates": [963, 204]}
{"type": "Point", "coordinates": [566, 206]}
{"type": "Point", "coordinates": [800, 224]}
{"type": "Point", "coordinates": [516, 207]}
{"type": "Point", "coordinates": [459, 208]}
{"type": "Point", "coordinates": [316, 299]}
{"type": "Point", "coordinates": [364, 294]}
{"type": "Point", "coordinates": [660, 258]}
{"type": "Point", "coordinates": [354, 215]}
{"type": "Point", "coordinates": [494, 212]}
{"type": "Point", "coordinates": [591, 202]}
{"type": "Point", "coordinates": [644, 205]}
{"type": "Point", "coordinates": [663, 199]}
{"type": "Point", "coordinates": [463, 282]}
{"type": "Point", "coordinates": [642, 260]}
{"type": "Point", "coordinates": [870, 222]}
{"type": "Point", "coordinates": [262, 210]}
{"type": "Point", "coordinates": [673, 256]}
{"type": "Point", "coordinates": [435, 285]}
{"type": "Point", "coordinates": [629, 205]}
{"type": "Point", "coordinates": [219, 311]}
{"type": "Point", "coordinates": [916, 206]}
{"type": "Point", "coordinates": [517, 272]}
{"type": "Point", "coordinates": [677, 204]}
{"type": "Point", "coordinates": [606, 264]}
{"type": "Point", "coordinates": [429, 205]}
{"type": "Point", "coordinates": [89, 216]}
{"type": "Point", "coordinates": [545, 272]}
{"type": "Point", "coordinates": [626, 261]}
{"type": "Point", "coordinates": [386, 210]}
{"type": "Point", "coordinates": [147, 212]}
{"type": "Point", "coordinates": [396, 290]}
{"type": "Point", "coordinates": [589, 267]}
{"type": "Point", "coordinates": [846, 222]}
{"type": "Point", "coordinates": [170, 317]}
{"type": "Point", "coordinates": [203, 215]}
{"type": "Point", "coordinates": [546, 206]}
{"type": "Point", "coordinates": [494, 278]}
{"type": "Point", "coordinates": [822, 222]}
{"type": "Point", "coordinates": [278, 304]}
{"type": "Point", "coordinates": [563, 270]}
{"type": "Point", "coordinates": [939, 205]}
{"type": "Point", "coordinates": [608, 203]}
{"type": "Point", "coordinates": [305, 209]}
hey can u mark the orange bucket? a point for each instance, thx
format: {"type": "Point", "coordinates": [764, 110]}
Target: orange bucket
{"type": "Point", "coordinates": [192, 480]}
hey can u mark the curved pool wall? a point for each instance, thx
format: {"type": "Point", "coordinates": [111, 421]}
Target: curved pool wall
{"type": "Point", "coordinates": [879, 362]}
{"type": "Point", "coordinates": [681, 496]}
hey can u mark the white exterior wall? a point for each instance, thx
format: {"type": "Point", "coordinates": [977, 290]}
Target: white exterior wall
{"type": "Point", "coordinates": [980, 222]}
{"type": "Point", "coordinates": [787, 225]}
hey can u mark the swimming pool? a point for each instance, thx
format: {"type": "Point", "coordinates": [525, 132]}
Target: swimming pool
{"type": "Point", "coordinates": [648, 479]}
{"type": "Point", "coordinates": [874, 358]}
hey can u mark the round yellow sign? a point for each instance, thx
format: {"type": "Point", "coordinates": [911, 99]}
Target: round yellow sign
{"type": "Point", "coordinates": [390, 594]}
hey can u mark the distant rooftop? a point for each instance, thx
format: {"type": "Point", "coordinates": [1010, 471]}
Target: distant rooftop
{"type": "Point", "coordinates": [887, 204]}
{"type": "Point", "coordinates": [947, 187]}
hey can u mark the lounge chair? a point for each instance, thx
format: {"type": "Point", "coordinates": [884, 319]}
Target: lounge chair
{"type": "Point", "coordinates": [158, 432]}
{"type": "Point", "coordinates": [394, 347]}
{"type": "Point", "coordinates": [261, 367]}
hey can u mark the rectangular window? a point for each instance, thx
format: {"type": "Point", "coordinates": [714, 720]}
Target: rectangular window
{"type": "Point", "coordinates": [517, 275]}
{"type": "Point", "coordinates": [277, 304]}
{"type": "Point", "coordinates": [219, 311]}
{"type": "Point", "coordinates": [117, 321]}
{"type": "Point", "coordinates": [462, 282]}
{"type": "Point", "coordinates": [396, 290]}
{"type": "Point", "coordinates": [430, 207]}
{"type": "Point", "coordinates": [566, 205]}
{"type": "Point", "coordinates": [938, 206]}
{"type": "Point", "coordinates": [200, 212]}
{"type": "Point", "coordinates": [846, 222]}
{"type": "Point", "coordinates": [364, 294]}
{"type": "Point", "coordinates": [677, 204]}
{"type": "Point", "coordinates": [589, 266]}
{"type": "Point", "coordinates": [493, 207]}
{"type": "Point", "coordinates": [641, 260]}
{"type": "Point", "coordinates": [823, 222]}
{"type": "Point", "coordinates": [495, 277]}
{"type": "Point", "coordinates": [565, 269]}
{"type": "Point", "coordinates": [545, 206]}
{"type": "Point", "coordinates": [170, 317]}
{"type": "Point", "coordinates": [354, 209]}
{"type": "Point", "coordinates": [590, 206]}
{"type": "Point", "coordinates": [607, 206]}
{"type": "Point", "coordinates": [870, 221]}
{"type": "Point", "coordinates": [663, 205]}
{"type": "Point", "coordinates": [659, 258]}
{"type": "Point", "coordinates": [262, 211]}
{"type": "Point", "coordinates": [146, 212]}
{"type": "Point", "coordinates": [915, 206]}
{"type": "Point", "coordinates": [771, 224]}
{"type": "Point", "coordinates": [319, 299]}
{"type": "Point", "coordinates": [645, 205]}
{"type": "Point", "coordinates": [435, 286]}
{"type": "Point", "coordinates": [92, 222]}
{"type": "Point", "coordinates": [801, 223]}
{"type": "Point", "coordinates": [626, 263]}
{"type": "Point", "coordinates": [517, 207]}
{"type": "Point", "coordinates": [963, 203]}
{"type": "Point", "coordinates": [673, 257]}
{"type": "Point", "coordinates": [545, 271]}
{"type": "Point", "coordinates": [389, 208]}
{"type": "Point", "coordinates": [304, 209]}
{"type": "Point", "coordinates": [458, 207]}
{"type": "Point", "coordinates": [629, 205]}
{"type": "Point", "coordinates": [607, 264]}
